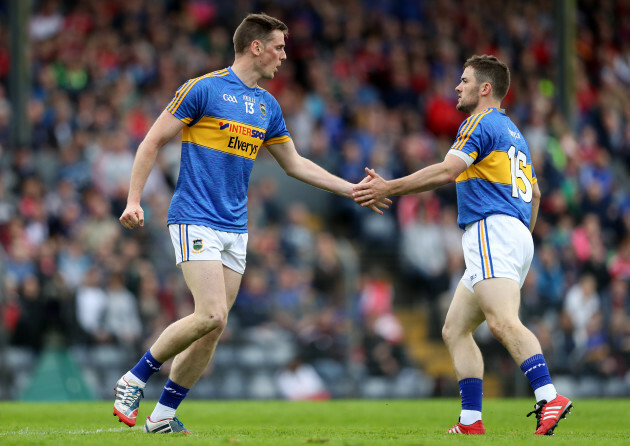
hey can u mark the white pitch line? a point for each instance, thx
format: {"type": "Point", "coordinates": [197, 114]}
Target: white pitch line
{"type": "Point", "coordinates": [28, 431]}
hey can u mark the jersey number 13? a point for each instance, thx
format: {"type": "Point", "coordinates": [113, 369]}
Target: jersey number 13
{"type": "Point", "coordinates": [518, 161]}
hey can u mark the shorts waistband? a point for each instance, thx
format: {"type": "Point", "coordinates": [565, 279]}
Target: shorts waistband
{"type": "Point", "coordinates": [469, 225]}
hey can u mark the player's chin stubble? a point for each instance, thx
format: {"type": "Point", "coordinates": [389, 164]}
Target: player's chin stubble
{"type": "Point", "coordinates": [466, 107]}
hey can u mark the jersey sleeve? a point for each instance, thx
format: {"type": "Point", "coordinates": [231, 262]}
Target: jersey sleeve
{"type": "Point", "coordinates": [277, 131]}
{"type": "Point", "coordinates": [189, 101]}
{"type": "Point", "coordinates": [468, 145]}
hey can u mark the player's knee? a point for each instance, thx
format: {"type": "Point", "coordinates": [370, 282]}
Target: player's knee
{"type": "Point", "coordinates": [216, 333]}
{"type": "Point", "coordinates": [501, 330]}
{"type": "Point", "coordinates": [446, 333]}
{"type": "Point", "coordinates": [210, 340]}
{"type": "Point", "coordinates": [450, 333]}
{"type": "Point", "coordinates": [210, 321]}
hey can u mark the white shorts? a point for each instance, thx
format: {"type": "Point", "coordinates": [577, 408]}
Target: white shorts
{"type": "Point", "coordinates": [195, 242]}
{"type": "Point", "coordinates": [497, 246]}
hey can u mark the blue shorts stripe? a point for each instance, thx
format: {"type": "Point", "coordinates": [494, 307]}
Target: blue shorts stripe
{"type": "Point", "coordinates": [483, 269]}
{"type": "Point", "coordinates": [485, 223]}
{"type": "Point", "coordinates": [187, 250]}
{"type": "Point", "coordinates": [181, 242]}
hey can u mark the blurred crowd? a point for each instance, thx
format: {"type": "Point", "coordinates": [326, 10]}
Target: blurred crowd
{"type": "Point", "coordinates": [366, 83]}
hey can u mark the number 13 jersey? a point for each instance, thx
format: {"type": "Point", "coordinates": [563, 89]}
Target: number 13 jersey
{"type": "Point", "coordinates": [227, 122]}
{"type": "Point", "coordinates": [500, 176]}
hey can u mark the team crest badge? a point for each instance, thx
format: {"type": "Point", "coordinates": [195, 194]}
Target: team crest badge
{"type": "Point", "coordinates": [263, 109]}
{"type": "Point", "coordinates": [197, 245]}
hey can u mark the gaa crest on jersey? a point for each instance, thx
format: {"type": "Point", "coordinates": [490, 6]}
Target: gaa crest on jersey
{"type": "Point", "coordinates": [263, 109]}
{"type": "Point", "coordinates": [197, 245]}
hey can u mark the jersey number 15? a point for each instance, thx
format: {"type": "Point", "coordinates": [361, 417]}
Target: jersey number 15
{"type": "Point", "coordinates": [518, 161]}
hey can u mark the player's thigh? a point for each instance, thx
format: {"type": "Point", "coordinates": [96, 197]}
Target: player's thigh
{"type": "Point", "coordinates": [232, 285]}
{"type": "Point", "coordinates": [464, 314]}
{"type": "Point", "coordinates": [499, 299]}
{"type": "Point", "coordinates": [206, 281]}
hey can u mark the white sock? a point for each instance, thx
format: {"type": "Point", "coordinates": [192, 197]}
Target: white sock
{"type": "Point", "coordinates": [546, 392]}
{"type": "Point", "coordinates": [469, 416]}
{"type": "Point", "coordinates": [162, 412]}
{"type": "Point", "coordinates": [131, 377]}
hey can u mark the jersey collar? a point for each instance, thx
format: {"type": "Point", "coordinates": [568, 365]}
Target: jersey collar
{"type": "Point", "coordinates": [500, 110]}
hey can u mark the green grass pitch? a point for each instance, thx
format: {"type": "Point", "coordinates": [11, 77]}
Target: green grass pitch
{"type": "Point", "coordinates": [343, 422]}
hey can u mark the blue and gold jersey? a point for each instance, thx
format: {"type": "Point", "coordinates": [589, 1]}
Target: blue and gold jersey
{"type": "Point", "coordinates": [500, 175]}
{"type": "Point", "coordinates": [227, 123]}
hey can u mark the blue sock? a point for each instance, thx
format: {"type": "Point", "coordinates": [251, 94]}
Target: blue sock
{"type": "Point", "coordinates": [471, 390]}
{"type": "Point", "coordinates": [172, 395]}
{"type": "Point", "coordinates": [146, 367]}
{"type": "Point", "coordinates": [536, 371]}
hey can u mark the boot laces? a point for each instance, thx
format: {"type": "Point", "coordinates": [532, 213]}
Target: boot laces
{"type": "Point", "coordinates": [538, 407]}
{"type": "Point", "coordinates": [131, 396]}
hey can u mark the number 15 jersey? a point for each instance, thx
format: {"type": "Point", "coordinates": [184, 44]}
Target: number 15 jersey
{"type": "Point", "coordinates": [500, 176]}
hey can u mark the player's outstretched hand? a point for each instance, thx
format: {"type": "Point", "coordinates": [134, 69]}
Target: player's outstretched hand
{"type": "Point", "coordinates": [371, 191]}
{"type": "Point", "coordinates": [132, 216]}
{"type": "Point", "coordinates": [375, 204]}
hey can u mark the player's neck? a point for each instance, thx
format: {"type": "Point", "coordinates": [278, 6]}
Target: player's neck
{"type": "Point", "coordinates": [244, 70]}
{"type": "Point", "coordinates": [484, 105]}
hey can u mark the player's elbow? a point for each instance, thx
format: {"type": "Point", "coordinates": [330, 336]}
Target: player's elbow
{"type": "Point", "coordinates": [150, 146]}
{"type": "Point", "coordinates": [291, 170]}
{"type": "Point", "coordinates": [449, 173]}
{"type": "Point", "coordinates": [536, 192]}
{"type": "Point", "coordinates": [452, 167]}
{"type": "Point", "coordinates": [292, 167]}
{"type": "Point", "coordinates": [452, 176]}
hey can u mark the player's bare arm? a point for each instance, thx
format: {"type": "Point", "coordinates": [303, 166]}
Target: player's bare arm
{"type": "Point", "coordinates": [305, 170]}
{"type": "Point", "coordinates": [370, 192]}
{"type": "Point", "coordinates": [535, 204]}
{"type": "Point", "coordinates": [163, 130]}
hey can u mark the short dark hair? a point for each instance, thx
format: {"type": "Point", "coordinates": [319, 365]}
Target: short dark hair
{"type": "Point", "coordinates": [256, 27]}
{"type": "Point", "coordinates": [492, 70]}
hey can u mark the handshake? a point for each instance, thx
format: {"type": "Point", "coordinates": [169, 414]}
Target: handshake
{"type": "Point", "coordinates": [371, 192]}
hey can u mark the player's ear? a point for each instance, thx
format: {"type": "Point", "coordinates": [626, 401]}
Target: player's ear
{"type": "Point", "coordinates": [256, 48]}
{"type": "Point", "coordinates": [486, 89]}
